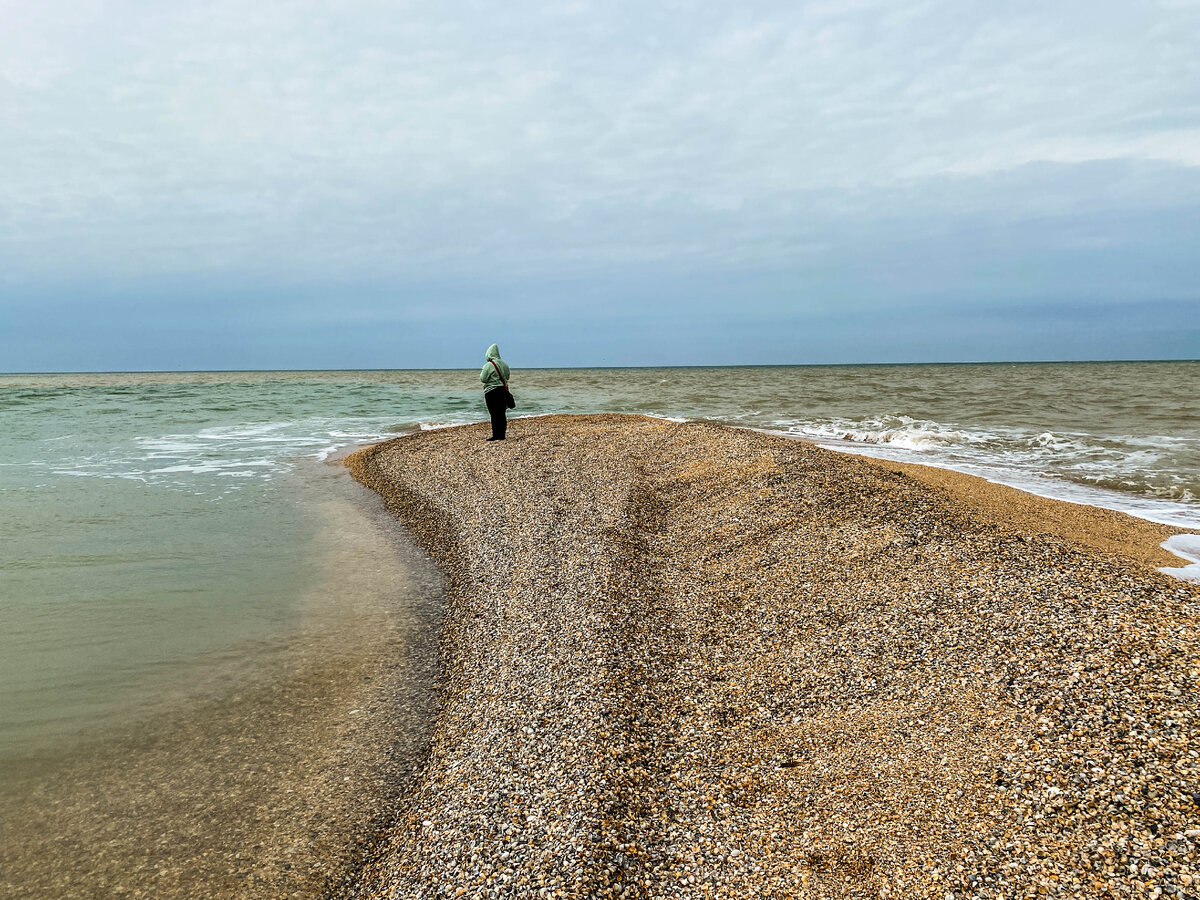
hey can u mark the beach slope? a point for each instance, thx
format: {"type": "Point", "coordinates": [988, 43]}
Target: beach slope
{"type": "Point", "coordinates": [681, 660]}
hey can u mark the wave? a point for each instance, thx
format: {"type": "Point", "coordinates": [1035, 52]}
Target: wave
{"type": "Point", "coordinates": [1074, 426]}
{"type": "Point", "coordinates": [1186, 547]}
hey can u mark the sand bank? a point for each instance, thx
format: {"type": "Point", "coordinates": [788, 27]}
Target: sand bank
{"type": "Point", "coordinates": [688, 661]}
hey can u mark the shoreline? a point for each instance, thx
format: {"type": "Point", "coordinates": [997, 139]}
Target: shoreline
{"type": "Point", "coordinates": [688, 660]}
{"type": "Point", "coordinates": [1107, 528]}
{"type": "Point", "coordinates": [1099, 527]}
{"type": "Point", "coordinates": [1057, 512]}
{"type": "Point", "coordinates": [275, 784]}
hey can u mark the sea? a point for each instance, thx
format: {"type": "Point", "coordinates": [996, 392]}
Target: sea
{"type": "Point", "coordinates": [167, 538]}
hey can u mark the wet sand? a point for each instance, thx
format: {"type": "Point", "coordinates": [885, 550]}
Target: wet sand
{"type": "Point", "coordinates": [687, 661]}
{"type": "Point", "coordinates": [278, 788]}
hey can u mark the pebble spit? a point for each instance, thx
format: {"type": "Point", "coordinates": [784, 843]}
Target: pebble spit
{"type": "Point", "coordinates": [681, 660]}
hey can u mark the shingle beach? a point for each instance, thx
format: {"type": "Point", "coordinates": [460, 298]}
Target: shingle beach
{"type": "Point", "coordinates": [680, 660]}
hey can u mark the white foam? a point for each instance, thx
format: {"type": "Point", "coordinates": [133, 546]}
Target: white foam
{"type": "Point", "coordinates": [1185, 546]}
{"type": "Point", "coordinates": [676, 419]}
{"type": "Point", "coordinates": [224, 467]}
{"type": "Point", "coordinates": [901, 432]}
{"type": "Point", "coordinates": [220, 459]}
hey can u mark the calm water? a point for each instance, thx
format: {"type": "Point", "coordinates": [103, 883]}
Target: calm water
{"type": "Point", "coordinates": [159, 532]}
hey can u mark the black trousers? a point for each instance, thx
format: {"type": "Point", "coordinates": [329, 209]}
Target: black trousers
{"type": "Point", "coordinates": [498, 410]}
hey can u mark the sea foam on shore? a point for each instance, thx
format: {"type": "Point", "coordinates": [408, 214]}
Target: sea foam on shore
{"type": "Point", "coordinates": [687, 661]}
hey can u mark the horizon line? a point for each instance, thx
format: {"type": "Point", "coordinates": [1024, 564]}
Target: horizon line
{"type": "Point", "coordinates": [996, 362]}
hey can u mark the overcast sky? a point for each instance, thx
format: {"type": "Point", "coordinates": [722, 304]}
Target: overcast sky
{"type": "Point", "coordinates": [320, 184]}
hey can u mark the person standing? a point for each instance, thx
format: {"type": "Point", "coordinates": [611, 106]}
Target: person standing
{"type": "Point", "coordinates": [495, 391]}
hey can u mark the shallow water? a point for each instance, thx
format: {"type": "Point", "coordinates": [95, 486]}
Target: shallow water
{"type": "Point", "coordinates": [271, 775]}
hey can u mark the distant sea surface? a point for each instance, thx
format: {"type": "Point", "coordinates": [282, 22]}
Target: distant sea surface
{"type": "Point", "coordinates": [162, 534]}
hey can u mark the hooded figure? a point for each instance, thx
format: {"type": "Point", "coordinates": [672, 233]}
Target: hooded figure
{"type": "Point", "coordinates": [494, 376]}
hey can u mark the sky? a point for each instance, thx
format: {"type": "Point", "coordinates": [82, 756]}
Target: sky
{"type": "Point", "coordinates": [318, 184]}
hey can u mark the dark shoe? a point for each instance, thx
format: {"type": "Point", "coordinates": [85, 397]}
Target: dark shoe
{"type": "Point", "coordinates": [494, 439]}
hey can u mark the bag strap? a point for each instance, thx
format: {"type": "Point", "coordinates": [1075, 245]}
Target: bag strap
{"type": "Point", "coordinates": [497, 368]}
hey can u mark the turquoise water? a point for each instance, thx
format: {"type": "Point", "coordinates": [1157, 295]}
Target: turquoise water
{"type": "Point", "coordinates": [158, 531]}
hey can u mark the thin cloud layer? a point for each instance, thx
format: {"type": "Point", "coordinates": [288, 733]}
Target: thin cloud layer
{"type": "Point", "coordinates": [879, 152]}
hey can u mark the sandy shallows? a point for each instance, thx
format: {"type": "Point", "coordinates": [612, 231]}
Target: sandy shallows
{"type": "Point", "coordinates": [275, 785]}
{"type": "Point", "coordinates": [688, 661]}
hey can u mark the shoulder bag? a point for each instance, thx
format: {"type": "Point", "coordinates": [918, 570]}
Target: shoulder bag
{"type": "Point", "coordinates": [509, 400]}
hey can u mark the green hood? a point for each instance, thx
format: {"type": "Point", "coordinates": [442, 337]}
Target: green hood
{"type": "Point", "coordinates": [489, 376]}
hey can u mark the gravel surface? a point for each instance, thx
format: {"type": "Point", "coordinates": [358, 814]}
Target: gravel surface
{"type": "Point", "coordinates": [687, 661]}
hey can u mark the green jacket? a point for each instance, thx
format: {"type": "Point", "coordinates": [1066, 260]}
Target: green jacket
{"type": "Point", "coordinates": [488, 376]}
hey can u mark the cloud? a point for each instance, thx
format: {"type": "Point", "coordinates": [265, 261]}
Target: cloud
{"type": "Point", "coordinates": [419, 142]}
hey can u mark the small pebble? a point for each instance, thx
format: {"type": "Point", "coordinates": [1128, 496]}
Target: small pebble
{"type": "Point", "coordinates": [754, 667]}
